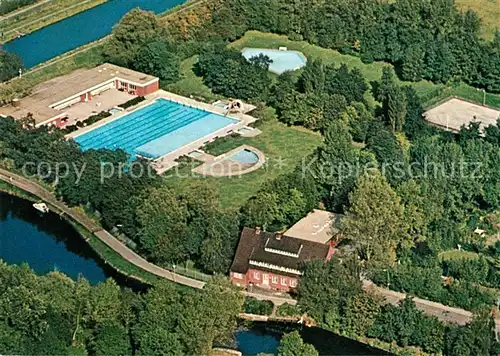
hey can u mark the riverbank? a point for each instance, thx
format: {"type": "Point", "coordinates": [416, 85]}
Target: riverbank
{"type": "Point", "coordinates": [41, 15]}
{"type": "Point", "coordinates": [106, 254]}
{"type": "Point", "coordinates": [127, 271]}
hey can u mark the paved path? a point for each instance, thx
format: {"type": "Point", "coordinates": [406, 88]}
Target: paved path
{"type": "Point", "coordinates": [442, 312]}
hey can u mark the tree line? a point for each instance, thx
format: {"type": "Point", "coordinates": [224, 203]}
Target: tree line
{"type": "Point", "coordinates": [54, 315]}
{"type": "Point", "coordinates": [332, 294]}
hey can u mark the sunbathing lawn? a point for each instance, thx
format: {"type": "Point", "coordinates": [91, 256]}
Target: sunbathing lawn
{"type": "Point", "coordinates": [429, 92]}
{"type": "Point", "coordinates": [283, 146]}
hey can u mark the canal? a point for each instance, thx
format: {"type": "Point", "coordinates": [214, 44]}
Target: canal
{"type": "Point", "coordinates": [46, 242]}
{"type": "Point", "coordinates": [78, 30]}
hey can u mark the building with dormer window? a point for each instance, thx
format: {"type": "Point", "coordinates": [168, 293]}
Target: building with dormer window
{"type": "Point", "coordinates": [274, 260]}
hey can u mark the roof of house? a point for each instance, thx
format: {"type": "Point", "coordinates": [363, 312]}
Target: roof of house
{"type": "Point", "coordinates": [57, 89]}
{"type": "Point", "coordinates": [317, 226]}
{"type": "Point", "coordinates": [272, 250]}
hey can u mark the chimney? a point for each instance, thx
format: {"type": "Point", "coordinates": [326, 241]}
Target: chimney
{"type": "Point", "coordinates": [257, 230]}
{"type": "Point", "coordinates": [278, 235]}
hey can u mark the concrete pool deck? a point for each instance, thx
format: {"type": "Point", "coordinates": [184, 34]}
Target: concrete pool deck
{"type": "Point", "coordinates": [164, 163]}
{"type": "Point", "coordinates": [223, 166]}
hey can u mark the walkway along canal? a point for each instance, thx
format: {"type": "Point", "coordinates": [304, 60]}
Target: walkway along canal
{"type": "Point", "coordinates": [78, 30]}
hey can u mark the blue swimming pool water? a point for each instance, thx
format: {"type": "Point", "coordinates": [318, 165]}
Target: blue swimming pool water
{"type": "Point", "coordinates": [282, 60]}
{"type": "Point", "coordinates": [245, 156]}
{"type": "Point", "coordinates": [155, 130]}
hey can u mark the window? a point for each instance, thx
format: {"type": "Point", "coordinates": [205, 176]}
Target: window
{"type": "Point", "coordinates": [132, 87]}
{"type": "Point", "coordinates": [274, 279]}
{"type": "Point", "coordinates": [256, 275]}
{"type": "Point", "coordinates": [283, 281]}
{"type": "Point", "coordinates": [238, 275]}
{"type": "Point", "coordinates": [293, 283]}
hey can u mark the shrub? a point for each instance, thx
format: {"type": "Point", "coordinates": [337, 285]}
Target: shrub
{"type": "Point", "coordinates": [132, 102]}
{"type": "Point", "coordinates": [288, 310]}
{"type": "Point", "coordinates": [260, 307]}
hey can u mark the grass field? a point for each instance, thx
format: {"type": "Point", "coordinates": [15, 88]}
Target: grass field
{"type": "Point", "coordinates": [41, 16]}
{"type": "Point", "coordinates": [488, 11]}
{"type": "Point", "coordinates": [429, 92]}
{"type": "Point", "coordinates": [283, 146]}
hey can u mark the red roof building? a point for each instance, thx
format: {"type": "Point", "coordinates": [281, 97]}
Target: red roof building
{"type": "Point", "coordinates": [274, 260]}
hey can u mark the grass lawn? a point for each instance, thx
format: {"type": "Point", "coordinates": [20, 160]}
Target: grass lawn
{"type": "Point", "coordinates": [458, 255]}
{"type": "Point", "coordinates": [426, 90]}
{"type": "Point", "coordinates": [488, 11]}
{"type": "Point", "coordinates": [283, 146]}
{"type": "Point", "coordinates": [43, 15]}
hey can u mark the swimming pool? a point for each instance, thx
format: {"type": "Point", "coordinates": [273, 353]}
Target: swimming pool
{"type": "Point", "coordinates": [245, 156]}
{"type": "Point", "coordinates": [282, 60]}
{"type": "Point", "coordinates": [155, 130]}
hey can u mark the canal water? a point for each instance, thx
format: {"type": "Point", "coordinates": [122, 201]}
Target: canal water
{"type": "Point", "coordinates": [78, 30]}
{"type": "Point", "coordinates": [265, 338]}
{"type": "Point", "coordinates": [45, 242]}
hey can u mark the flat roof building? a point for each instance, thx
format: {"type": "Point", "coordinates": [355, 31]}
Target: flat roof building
{"type": "Point", "coordinates": [50, 100]}
{"type": "Point", "coordinates": [317, 226]}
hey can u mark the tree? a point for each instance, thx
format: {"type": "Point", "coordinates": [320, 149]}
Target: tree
{"type": "Point", "coordinates": [163, 225]}
{"type": "Point", "coordinates": [312, 78]}
{"type": "Point", "coordinates": [476, 338]}
{"type": "Point", "coordinates": [134, 30]}
{"type": "Point", "coordinates": [337, 163]}
{"type": "Point", "coordinates": [10, 64]}
{"type": "Point", "coordinates": [396, 109]}
{"type": "Point", "coordinates": [291, 344]}
{"type": "Point", "coordinates": [157, 58]}
{"type": "Point", "coordinates": [228, 73]}
{"type": "Point", "coordinates": [210, 316]}
{"type": "Point", "coordinates": [325, 288]}
{"type": "Point", "coordinates": [360, 313]}
{"type": "Point", "coordinates": [111, 339]}
{"type": "Point", "coordinates": [350, 84]}
{"type": "Point", "coordinates": [375, 219]}
{"type": "Point", "coordinates": [407, 325]}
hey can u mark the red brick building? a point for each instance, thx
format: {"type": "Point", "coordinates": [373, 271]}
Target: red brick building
{"type": "Point", "coordinates": [51, 101]}
{"type": "Point", "coordinates": [274, 260]}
